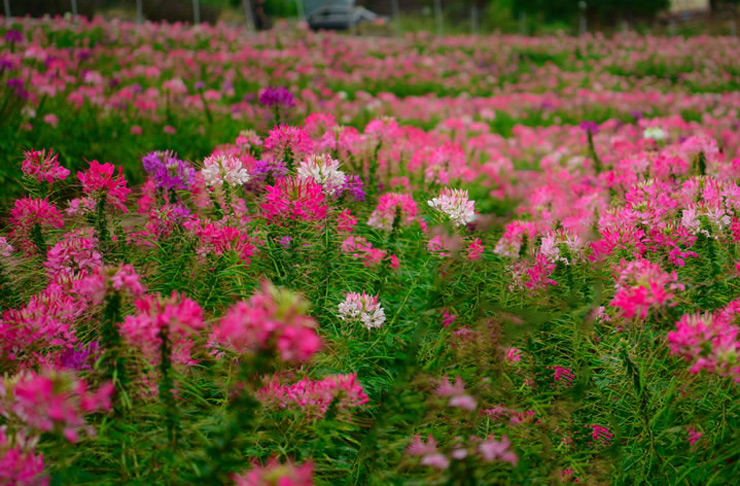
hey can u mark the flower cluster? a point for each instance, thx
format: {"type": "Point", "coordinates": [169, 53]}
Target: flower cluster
{"type": "Point", "coordinates": [362, 308]}
{"type": "Point", "coordinates": [101, 180]}
{"type": "Point", "coordinates": [157, 318]}
{"type": "Point", "coordinates": [220, 169]}
{"type": "Point", "coordinates": [389, 206]}
{"type": "Point", "coordinates": [323, 170]}
{"type": "Point", "coordinates": [272, 320]}
{"type": "Point", "coordinates": [52, 402]}
{"type": "Point", "coordinates": [313, 397]}
{"type": "Point", "coordinates": [169, 172]}
{"type": "Point", "coordinates": [43, 166]}
{"type": "Point", "coordinates": [275, 473]}
{"type": "Point", "coordinates": [455, 204]}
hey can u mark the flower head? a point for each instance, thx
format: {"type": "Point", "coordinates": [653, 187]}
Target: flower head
{"type": "Point", "coordinates": [43, 166]}
{"type": "Point", "coordinates": [218, 169]}
{"type": "Point", "coordinates": [362, 308]}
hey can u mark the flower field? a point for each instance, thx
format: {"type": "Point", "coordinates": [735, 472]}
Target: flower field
{"type": "Point", "coordinates": [296, 259]}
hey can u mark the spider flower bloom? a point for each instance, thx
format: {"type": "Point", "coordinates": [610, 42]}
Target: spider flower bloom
{"type": "Point", "coordinates": [276, 474]}
{"type": "Point", "coordinates": [456, 394]}
{"type": "Point", "coordinates": [169, 172]}
{"type": "Point", "coordinates": [384, 216]}
{"type": "Point", "coordinates": [323, 170]}
{"type": "Point", "coordinates": [218, 169]}
{"type": "Point", "coordinates": [289, 144]}
{"type": "Point", "coordinates": [19, 466]}
{"type": "Point", "coordinates": [5, 248]}
{"type": "Point", "coordinates": [100, 179]}
{"type": "Point", "coordinates": [362, 308]}
{"type": "Point", "coordinates": [641, 286]}
{"type": "Point", "coordinates": [277, 96]}
{"type": "Point", "coordinates": [492, 450]}
{"type": "Point", "coordinates": [271, 320]}
{"type": "Point", "coordinates": [293, 199]}
{"type": "Point", "coordinates": [313, 397]}
{"type": "Point", "coordinates": [709, 342]}
{"type": "Point", "coordinates": [43, 166]}
{"type": "Point", "coordinates": [455, 204]}
{"type": "Point", "coordinates": [176, 318]}
{"type": "Point", "coordinates": [30, 216]}
{"type": "Point", "coordinates": [53, 401]}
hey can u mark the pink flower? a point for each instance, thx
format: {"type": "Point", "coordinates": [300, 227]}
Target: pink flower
{"type": "Point", "coordinates": [272, 320]}
{"type": "Point", "coordinates": [513, 355]}
{"type": "Point", "coordinates": [136, 130]}
{"type": "Point", "coordinates": [346, 222]}
{"type": "Point", "coordinates": [475, 249]}
{"type": "Point", "coordinates": [290, 199]}
{"type": "Point", "coordinates": [51, 119]}
{"type": "Point", "coordinates": [53, 402]}
{"type": "Point", "coordinates": [276, 474]}
{"type": "Point", "coordinates": [27, 213]}
{"type": "Point", "coordinates": [454, 203]}
{"type": "Point", "coordinates": [19, 467]}
{"type": "Point", "coordinates": [694, 436]}
{"type": "Point", "coordinates": [313, 397]}
{"type": "Point", "coordinates": [169, 129]}
{"type": "Point", "coordinates": [360, 248]}
{"type": "Point", "coordinates": [492, 450]}
{"type": "Point", "coordinates": [121, 279]}
{"type": "Point", "coordinates": [384, 215]}
{"type": "Point", "coordinates": [176, 318]}
{"type": "Point", "coordinates": [456, 394]}
{"type": "Point", "coordinates": [288, 143]}
{"type": "Point", "coordinates": [640, 286]}
{"type": "Point", "coordinates": [43, 166]}
{"type": "Point", "coordinates": [5, 248]}
{"type": "Point", "coordinates": [100, 179]}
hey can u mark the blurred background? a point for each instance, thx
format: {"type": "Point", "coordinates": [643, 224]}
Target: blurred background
{"type": "Point", "coordinates": [387, 17]}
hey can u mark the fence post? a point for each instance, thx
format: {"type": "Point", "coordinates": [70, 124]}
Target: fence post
{"type": "Point", "coordinates": [74, 9]}
{"type": "Point", "coordinates": [6, 3]}
{"type": "Point", "coordinates": [672, 28]}
{"type": "Point", "coordinates": [396, 13]}
{"type": "Point", "coordinates": [139, 12]}
{"type": "Point", "coordinates": [733, 28]}
{"type": "Point", "coordinates": [196, 12]}
{"type": "Point", "coordinates": [248, 13]}
{"type": "Point", "coordinates": [474, 17]}
{"type": "Point", "coordinates": [438, 16]}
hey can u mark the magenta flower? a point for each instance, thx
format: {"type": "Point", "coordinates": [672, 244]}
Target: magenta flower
{"type": "Point", "coordinates": [276, 473]}
{"type": "Point", "coordinates": [28, 213]}
{"type": "Point", "coordinates": [176, 318]}
{"type": "Point", "coordinates": [290, 199]}
{"type": "Point", "coordinates": [43, 166]}
{"type": "Point", "coordinates": [271, 320]}
{"type": "Point", "coordinates": [100, 179]}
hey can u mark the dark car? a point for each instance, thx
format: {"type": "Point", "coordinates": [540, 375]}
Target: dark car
{"type": "Point", "coordinates": [341, 17]}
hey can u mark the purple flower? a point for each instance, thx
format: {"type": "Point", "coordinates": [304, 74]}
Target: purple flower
{"type": "Point", "coordinates": [270, 167]}
{"type": "Point", "coordinates": [170, 173]}
{"type": "Point", "coordinates": [80, 357]}
{"type": "Point", "coordinates": [277, 96]}
{"type": "Point", "coordinates": [199, 85]}
{"type": "Point", "coordinates": [353, 185]}
{"type": "Point", "coordinates": [17, 85]}
{"type": "Point", "coordinates": [590, 126]}
{"type": "Point", "coordinates": [636, 114]}
{"type": "Point", "coordinates": [13, 36]}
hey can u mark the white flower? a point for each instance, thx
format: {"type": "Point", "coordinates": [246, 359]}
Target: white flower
{"type": "Point", "coordinates": [323, 170]}
{"type": "Point", "coordinates": [218, 169]}
{"type": "Point", "coordinates": [363, 308]}
{"type": "Point", "coordinates": [654, 133]}
{"type": "Point", "coordinates": [455, 204]}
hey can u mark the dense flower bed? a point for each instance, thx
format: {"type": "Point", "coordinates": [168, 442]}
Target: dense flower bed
{"type": "Point", "coordinates": [525, 272]}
